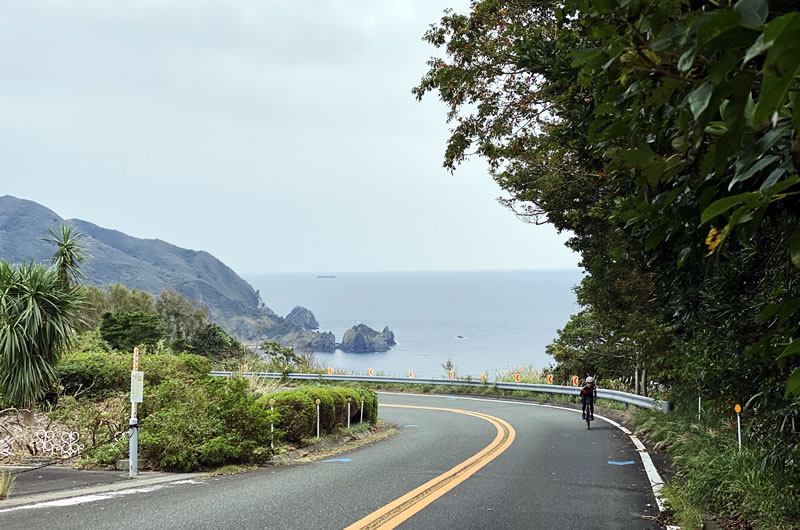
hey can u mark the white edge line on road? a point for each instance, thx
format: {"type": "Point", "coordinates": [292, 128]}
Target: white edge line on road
{"type": "Point", "coordinates": [656, 482]}
{"type": "Point", "coordinates": [94, 497]}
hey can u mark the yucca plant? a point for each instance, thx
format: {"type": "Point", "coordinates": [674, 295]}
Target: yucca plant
{"type": "Point", "coordinates": [69, 254]}
{"type": "Point", "coordinates": [37, 312]}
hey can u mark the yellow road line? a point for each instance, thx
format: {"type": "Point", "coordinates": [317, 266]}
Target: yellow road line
{"type": "Point", "coordinates": [412, 502]}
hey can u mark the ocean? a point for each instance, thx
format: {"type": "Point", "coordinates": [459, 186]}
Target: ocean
{"type": "Point", "coordinates": [486, 321]}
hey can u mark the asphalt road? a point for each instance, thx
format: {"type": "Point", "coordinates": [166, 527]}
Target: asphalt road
{"type": "Point", "coordinates": [555, 474]}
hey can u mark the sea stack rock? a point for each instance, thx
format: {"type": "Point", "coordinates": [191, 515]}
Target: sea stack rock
{"type": "Point", "coordinates": [364, 339]}
{"type": "Point", "coordinates": [389, 336]}
{"type": "Point", "coordinates": [302, 317]}
{"type": "Point", "coordinates": [306, 340]}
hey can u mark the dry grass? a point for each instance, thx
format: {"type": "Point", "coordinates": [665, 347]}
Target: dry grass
{"type": "Point", "coordinates": [527, 374]}
{"type": "Point", "coordinates": [263, 386]}
{"type": "Point", "coordinates": [6, 484]}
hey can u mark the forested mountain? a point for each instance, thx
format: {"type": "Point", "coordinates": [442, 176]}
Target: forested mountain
{"type": "Point", "coordinates": [150, 265]}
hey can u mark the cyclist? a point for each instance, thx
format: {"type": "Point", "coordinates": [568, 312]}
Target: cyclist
{"type": "Point", "coordinates": [588, 395]}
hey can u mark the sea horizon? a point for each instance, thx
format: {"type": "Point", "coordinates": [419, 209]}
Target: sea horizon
{"type": "Point", "coordinates": [483, 321]}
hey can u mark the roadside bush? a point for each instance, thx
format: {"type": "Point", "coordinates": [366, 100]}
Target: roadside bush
{"type": "Point", "coordinates": [95, 374]}
{"type": "Point", "coordinates": [355, 405]}
{"type": "Point", "coordinates": [163, 367]}
{"type": "Point", "coordinates": [339, 396]}
{"type": "Point", "coordinates": [370, 405]}
{"type": "Point", "coordinates": [327, 410]}
{"type": "Point", "coordinates": [100, 374]}
{"type": "Point", "coordinates": [297, 414]}
{"type": "Point", "coordinates": [97, 421]}
{"type": "Point", "coordinates": [712, 473]}
{"type": "Point", "coordinates": [208, 423]}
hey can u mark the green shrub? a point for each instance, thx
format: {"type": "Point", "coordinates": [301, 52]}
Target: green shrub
{"type": "Point", "coordinates": [95, 374]}
{"type": "Point", "coordinates": [101, 374]}
{"type": "Point", "coordinates": [327, 409]}
{"type": "Point", "coordinates": [712, 473]}
{"type": "Point", "coordinates": [127, 329]}
{"type": "Point", "coordinates": [370, 405]}
{"type": "Point", "coordinates": [207, 423]}
{"type": "Point", "coordinates": [297, 414]}
{"type": "Point", "coordinates": [158, 368]}
{"type": "Point", "coordinates": [355, 404]}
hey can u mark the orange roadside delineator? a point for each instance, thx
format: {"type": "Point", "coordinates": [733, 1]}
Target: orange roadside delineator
{"type": "Point", "coordinates": [483, 377]}
{"type": "Point", "coordinates": [330, 370]}
{"type": "Point", "coordinates": [550, 379]}
{"type": "Point", "coordinates": [575, 380]}
{"type": "Point", "coordinates": [371, 372]}
{"type": "Point", "coordinates": [411, 374]}
{"type": "Point", "coordinates": [516, 378]}
{"type": "Point", "coordinates": [452, 374]}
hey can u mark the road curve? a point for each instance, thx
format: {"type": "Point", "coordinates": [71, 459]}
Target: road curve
{"type": "Point", "coordinates": [550, 473]}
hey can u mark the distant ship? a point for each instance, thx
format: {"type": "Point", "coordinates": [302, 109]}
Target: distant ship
{"type": "Point", "coordinates": [326, 276]}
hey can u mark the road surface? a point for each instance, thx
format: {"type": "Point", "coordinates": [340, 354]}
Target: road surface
{"type": "Point", "coordinates": [455, 463]}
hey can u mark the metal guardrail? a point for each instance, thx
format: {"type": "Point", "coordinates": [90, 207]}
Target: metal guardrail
{"type": "Point", "coordinates": [614, 395]}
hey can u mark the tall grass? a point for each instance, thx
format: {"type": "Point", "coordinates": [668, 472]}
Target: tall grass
{"type": "Point", "coordinates": [712, 473]}
{"type": "Point", "coordinates": [527, 374]}
{"type": "Point", "coordinates": [6, 484]}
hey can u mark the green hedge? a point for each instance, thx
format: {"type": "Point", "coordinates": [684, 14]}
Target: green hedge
{"type": "Point", "coordinates": [208, 423]}
{"type": "Point", "coordinates": [327, 409]}
{"type": "Point", "coordinates": [109, 373]}
{"type": "Point", "coordinates": [298, 410]}
{"type": "Point", "coordinates": [297, 414]}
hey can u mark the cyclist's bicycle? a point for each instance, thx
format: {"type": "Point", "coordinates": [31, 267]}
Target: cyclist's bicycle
{"type": "Point", "coordinates": [588, 415]}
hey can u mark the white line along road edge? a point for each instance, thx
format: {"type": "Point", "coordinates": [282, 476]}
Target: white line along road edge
{"type": "Point", "coordinates": [656, 482]}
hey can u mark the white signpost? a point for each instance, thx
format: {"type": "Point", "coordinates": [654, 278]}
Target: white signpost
{"type": "Point", "coordinates": [137, 394]}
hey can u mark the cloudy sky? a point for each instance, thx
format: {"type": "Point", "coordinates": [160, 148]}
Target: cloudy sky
{"type": "Point", "coordinates": [278, 135]}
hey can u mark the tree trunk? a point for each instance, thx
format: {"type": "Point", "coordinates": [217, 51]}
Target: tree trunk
{"type": "Point", "coordinates": [29, 416]}
{"type": "Point", "coordinates": [636, 379]}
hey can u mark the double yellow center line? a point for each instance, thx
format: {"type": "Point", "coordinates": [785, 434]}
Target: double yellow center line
{"type": "Point", "coordinates": [412, 502]}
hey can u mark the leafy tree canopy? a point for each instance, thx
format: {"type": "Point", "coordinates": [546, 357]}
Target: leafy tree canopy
{"type": "Point", "coordinates": [664, 137]}
{"type": "Point", "coordinates": [128, 329]}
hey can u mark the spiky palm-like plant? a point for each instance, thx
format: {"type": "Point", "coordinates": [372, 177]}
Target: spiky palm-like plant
{"type": "Point", "coordinates": [69, 254]}
{"type": "Point", "coordinates": [37, 312]}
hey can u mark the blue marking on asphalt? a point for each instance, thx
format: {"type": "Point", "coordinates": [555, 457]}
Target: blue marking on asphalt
{"type": "Point", "coordinates": [626, 463]}
{"type": "Point", "coordinates": [452, 398]}
{"type": "Point", "coordinates": [339, 460]}
{"type": "Point", "coordinates": [410, 425]}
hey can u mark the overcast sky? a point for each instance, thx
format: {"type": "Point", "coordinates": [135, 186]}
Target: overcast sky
{"type": "Point", "coordinates": [277, 135]}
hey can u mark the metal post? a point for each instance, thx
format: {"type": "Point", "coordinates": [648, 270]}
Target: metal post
{"type": "Point", "coordinates": [318, 418]}
{"type": "Point", "coordinates": [362, 410]}
{"type": "Point", "coordinates": [738, 410]}
{"type": "Point", "coordinates": [739, 429]}
{"type": "Point", "coordinates": [133, 439]}
{"type": "Point", "coordinates": [133, 444]}
{"type": "Point", "coordinates": [348, 413]}
{"type": "Point", "coordinates": [699, 406]}
{"type": "Point", "coordinates": [271, 425]}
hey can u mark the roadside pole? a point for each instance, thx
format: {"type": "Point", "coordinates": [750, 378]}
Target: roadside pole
{"type": "Point", "coordinates": [348, 413]}
{"type": "Point", "coordinates": [137, 393]}
{"type": "Point", "coordinates": [271, 425]}
{"type": "Point", "coordinates": [318, 402]}
{"type": "Point", "coordinates": [362, 410]}
{"type": "Point", "coordinates": [738, 409]}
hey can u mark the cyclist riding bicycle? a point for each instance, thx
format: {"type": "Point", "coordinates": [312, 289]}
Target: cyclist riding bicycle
{"type": "Point", "coordinates": [588, 395]}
